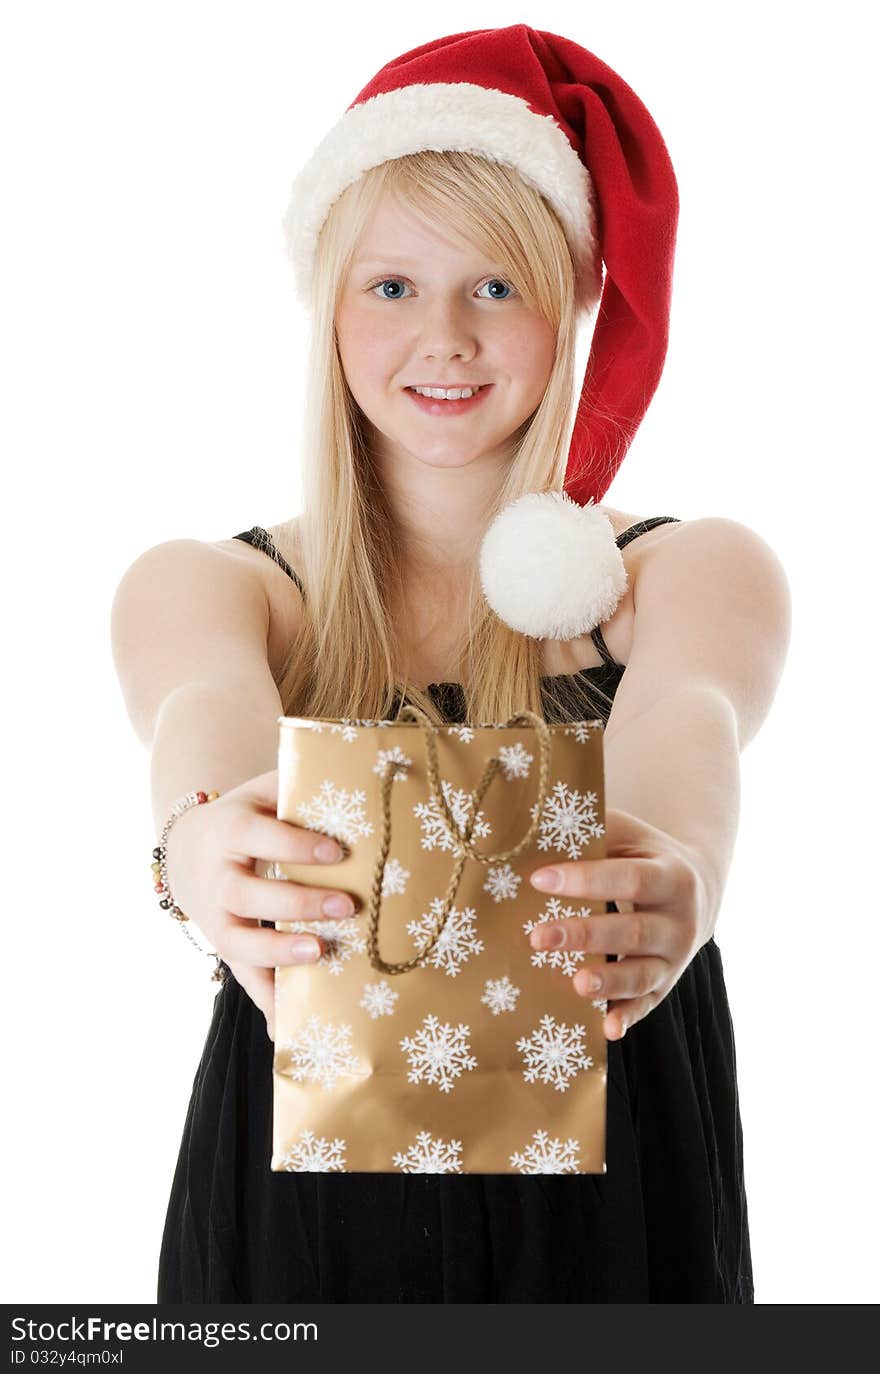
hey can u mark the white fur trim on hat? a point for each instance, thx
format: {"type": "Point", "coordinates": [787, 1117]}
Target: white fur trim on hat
{"type": "Point", "coordinates": [459, 116]}
{"type": "Point", "coordinates": [551, 568]}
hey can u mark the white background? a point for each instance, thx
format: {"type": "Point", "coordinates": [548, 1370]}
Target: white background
{"type": "Point", "coordinates": [152, 369]}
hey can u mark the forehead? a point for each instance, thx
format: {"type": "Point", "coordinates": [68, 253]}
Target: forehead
{"type": "Point", "coordinates": [408, 235]}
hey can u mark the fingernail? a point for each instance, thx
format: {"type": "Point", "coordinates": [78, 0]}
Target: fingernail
{"type": "Point", "coordinates": [305, 948]}
{"type": "Point", "coordinates": [337, 906]}
{"type": "Point", "coordinates": [328, 852]}
{"type": "Point", "coordinates": [549, 939]}
{"type": "Point", "coordinates": [547, 879]}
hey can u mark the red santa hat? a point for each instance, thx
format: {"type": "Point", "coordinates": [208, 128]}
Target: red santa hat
{"type": "Point", "coordinates": [573, 129]}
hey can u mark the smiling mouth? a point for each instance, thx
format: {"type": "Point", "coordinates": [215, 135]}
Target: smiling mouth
{"type": "Point", "coordinates": [447, 393]}
{"type": "Point", "coordinates": [432, 405]}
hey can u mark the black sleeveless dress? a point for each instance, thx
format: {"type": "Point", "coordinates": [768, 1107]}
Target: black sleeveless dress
{"type": "Point", "coordinates": [668, 1222]}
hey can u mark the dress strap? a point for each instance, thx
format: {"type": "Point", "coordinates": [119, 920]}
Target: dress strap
{"type": "Point", "coordinates": [640, 527]}
{"type": "Point", "coordinates": [259, 538]}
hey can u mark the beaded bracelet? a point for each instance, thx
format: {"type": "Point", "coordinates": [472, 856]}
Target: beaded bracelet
{"type": "Point", "coordinates": [161, 885]}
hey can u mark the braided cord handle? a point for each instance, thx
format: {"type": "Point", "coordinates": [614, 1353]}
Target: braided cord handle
{"type": "Point", "coordinates": [461, 838]}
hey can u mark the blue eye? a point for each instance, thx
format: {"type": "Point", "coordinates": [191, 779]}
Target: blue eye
{"type": "Point", "coordinates": [496, 281]}
{"type": "Point", "coordinates": [385, 282]}
{"type": "Point", "coordinates": [399, 281]}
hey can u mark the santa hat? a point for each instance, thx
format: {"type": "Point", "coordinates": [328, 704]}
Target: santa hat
{"type": "Point", "coordinates": [573, 129]}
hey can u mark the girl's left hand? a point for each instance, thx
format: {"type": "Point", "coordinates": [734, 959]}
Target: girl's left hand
{"type": "Point", "coordinates": [656, 938]}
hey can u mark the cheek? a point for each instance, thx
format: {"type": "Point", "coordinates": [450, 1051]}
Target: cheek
{"type": "Point", "coordinates": [366, 353]}
{"type": "Point", "coordinates": [529, 356]}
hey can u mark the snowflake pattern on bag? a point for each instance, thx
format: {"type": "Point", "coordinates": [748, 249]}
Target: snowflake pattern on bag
{"type": "Point", "coordinates": [321, 1053]}
{"type": "Point", "coordinates": [430, 1155]}
{"type": "Point", "coordinates": [438, 1053]}
{"type": "Point", "coordinates": [502, 882]}
{"type": "Point", "coordinates": [514, 760]}
{"type": "Point", "coordinates": [568, 820]}
{"type": "Point", "coordinates": [385, 756]}
{"type": "Point", "coordinates": [435, 830]}
{"type": "Point", "coordinates": [458, 939]}
{"type": "Point", "coordinates": [378, 999]}
{"type": "Point", "coordinates": [394, 878]}
{"type": "Point", "coordinates": [311, 1154]}
{"type": "Point", "coordinates": [499, 994]}
{"type": "Point", "coordinates": [547, 1156]}
{"type": "Point", "coordinates": [554, 1053]}
{"type": "Point", "coordinates": [337, 812]}
{"type": "Point", "coordinates": [492, 1022]}
{"type": "Point", "coordinates": [581, 729]}
{"type": "Point", "coordinates": [465, 733]}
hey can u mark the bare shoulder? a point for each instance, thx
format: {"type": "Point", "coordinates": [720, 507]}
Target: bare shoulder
{"type": "Point", "coordinates": [712, 607]}
{"type": "Point", "coordinates": [718, 549]}
{"type": "Point", "coordinates": [282, 594]}
{"type": "Point", "coordinates": [618, 628]}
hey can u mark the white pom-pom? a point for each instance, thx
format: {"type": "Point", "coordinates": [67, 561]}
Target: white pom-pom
{"type": "Point", "coordinates": [551, 568]}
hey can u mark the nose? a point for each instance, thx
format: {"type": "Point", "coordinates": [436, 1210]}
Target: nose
{"type": "Point", "coordinates": [445, 332]}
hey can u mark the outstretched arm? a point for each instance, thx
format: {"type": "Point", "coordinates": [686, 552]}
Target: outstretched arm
{"type": "Point", "coordinates": [710, 637]}
{"type": "Point", "coordinates": [711, 633]}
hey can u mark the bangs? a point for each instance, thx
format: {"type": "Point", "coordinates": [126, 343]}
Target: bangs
{"type": "Point", "coordinates": [488, 204]}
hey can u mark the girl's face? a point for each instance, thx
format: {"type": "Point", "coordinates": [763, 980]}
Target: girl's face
{"type": "Point", "coordinates": [420, 308]}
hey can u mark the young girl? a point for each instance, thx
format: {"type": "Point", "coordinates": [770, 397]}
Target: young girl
{"type": "Point", "coordinates": [447, 238]}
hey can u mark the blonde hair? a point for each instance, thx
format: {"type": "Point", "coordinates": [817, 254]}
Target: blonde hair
{"type": "Point", "coordinates": [345, 657]}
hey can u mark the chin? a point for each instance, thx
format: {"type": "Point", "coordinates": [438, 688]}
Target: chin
{"type": "Point", "coordinates": [445, 460]}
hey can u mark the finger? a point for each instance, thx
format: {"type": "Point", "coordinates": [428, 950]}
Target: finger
{"type": "Point", "coordinates": [266, 948]}
{"type": "Point", "coordinates": [649, 882]}
{"type": "Point", "coordinates": [264, 789]}
{"type": "Point", "coordinates": [630, 978]}
{"type": "Point", "coordinates": [253, 835]}
{"type": "Point", "coordinates": [642, 932]}
{"type": "Point", "coordinates": [259, 984]}
{"type": "Point", "coordinates": [622, 1015]}
{"type": "Point", "coordinates": [274, 899]}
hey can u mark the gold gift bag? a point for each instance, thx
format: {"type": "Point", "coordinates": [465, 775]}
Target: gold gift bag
{"type": "Point", "coordinates": [437, 1040]}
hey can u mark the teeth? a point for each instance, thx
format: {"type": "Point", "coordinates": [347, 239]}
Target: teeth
{"type": "Point", "coordinates": [439, 393]}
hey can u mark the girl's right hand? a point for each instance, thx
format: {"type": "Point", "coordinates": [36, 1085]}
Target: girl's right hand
{"type": "Point", "coordinates": [210, 855]}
